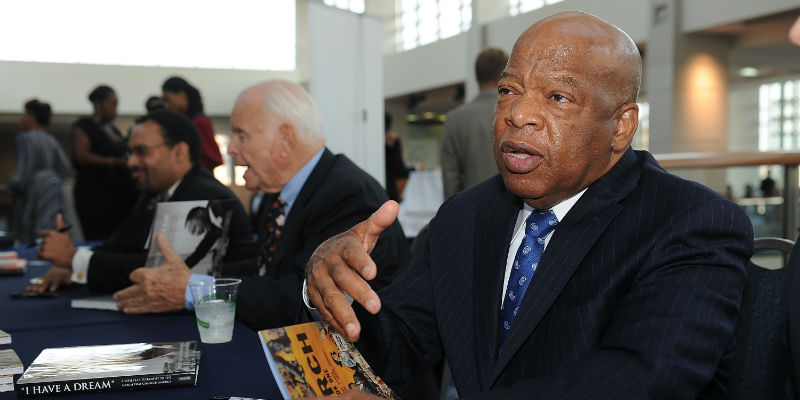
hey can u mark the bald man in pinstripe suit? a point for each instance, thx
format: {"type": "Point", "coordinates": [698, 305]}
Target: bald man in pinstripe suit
{"type": "Point", "coordinates": [638, 286]}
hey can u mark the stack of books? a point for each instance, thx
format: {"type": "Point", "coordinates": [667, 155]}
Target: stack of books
{"type": "Point", "coordinates": [11, 264]}
{"type": "Point", "coordinates": [10, 365]}
{"type": "Point", "coordinates": [131, 366]}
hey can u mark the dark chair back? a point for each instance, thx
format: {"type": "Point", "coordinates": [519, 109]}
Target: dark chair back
{"type": "Point", "coordinates": [761, 361]}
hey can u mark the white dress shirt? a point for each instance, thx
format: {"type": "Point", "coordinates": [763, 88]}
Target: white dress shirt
{"type": "Point", "coordinates": [560, 210]}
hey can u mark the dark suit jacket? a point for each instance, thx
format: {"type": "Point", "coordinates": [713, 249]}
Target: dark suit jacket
{"type": "Point", "coordinates": [125, 251]}
{"type": "Point", "coordinates": [791, 304]}
{"type": "Point", "coordinates": [636, 295]}
{"type": "Point", "coordinates": [335, 197]}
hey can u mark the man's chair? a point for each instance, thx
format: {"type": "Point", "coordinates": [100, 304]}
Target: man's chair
{"type": "Point", "coordinates": [761, 359]}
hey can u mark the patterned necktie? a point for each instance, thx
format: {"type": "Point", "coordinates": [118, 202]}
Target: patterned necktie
{"type": "Point", "coordinates": [537, 226]}
{"type": "Point", "coordinates": [272, 231]}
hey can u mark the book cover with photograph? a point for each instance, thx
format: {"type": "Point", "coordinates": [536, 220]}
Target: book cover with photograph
{"type": "Point", "coordinates": [313, 359]}
{"type": "Point", "coordinates": [110, 367]}
{"type": "Point", "coordinates": [197, 230]}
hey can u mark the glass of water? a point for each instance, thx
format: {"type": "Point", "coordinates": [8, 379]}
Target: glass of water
{"type": "Point", "coordinates": [215, 308]}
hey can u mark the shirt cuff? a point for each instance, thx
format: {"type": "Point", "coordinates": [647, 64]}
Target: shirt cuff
{"type": "Point", "coordinates": [188, 294]}
{"type": "Point", "coordinates": [80, 264]}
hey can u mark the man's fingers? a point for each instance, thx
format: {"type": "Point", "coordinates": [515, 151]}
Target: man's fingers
{"type": "Point", "coordinates": [170, 256]}
{"type": "Point", "coordinates": [138, 275]}
{"type": "Point", "coordinates": [127, 293]}
{"type": "Point", "coordinates": [381, 219]}
{"type": "Point", "coordinates": [350, 283]}
{"type": "Point", "coordinates": [59, 221]}
{"type": "Point", "coordinates": [358, 258]}
{"type": "Point", "coordinates": [334, 307]}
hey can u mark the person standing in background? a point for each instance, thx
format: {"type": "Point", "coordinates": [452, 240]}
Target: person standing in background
{"type": "Point", "coordinates": [183, 98]}
{"type": "Point", "coordinates": [396, 171]}
{"type": "Point", "coordinates": [467, 157]}
{"type": "Point", "coordinates": [104, 191]}
{"type": "Point", "coordinates": [35, 184]}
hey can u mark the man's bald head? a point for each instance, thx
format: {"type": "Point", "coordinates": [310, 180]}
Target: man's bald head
{"type": "Point", "coordinates": [566, 109]}
{"type": "Point", "coordinates": [277, 128]}
{"type": "Point", "coordinates": [610, 51]}
{"type": "Point", "coordinates": [287, 101]}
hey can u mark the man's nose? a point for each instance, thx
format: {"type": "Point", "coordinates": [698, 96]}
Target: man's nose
{"type": "Point", "coordinates": [526, 111]}
{"type": "Point", "coordinates": [233, 147]}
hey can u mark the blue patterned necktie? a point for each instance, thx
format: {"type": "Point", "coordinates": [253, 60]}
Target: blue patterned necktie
{"type": "Point", "coordinates": [537, 226]}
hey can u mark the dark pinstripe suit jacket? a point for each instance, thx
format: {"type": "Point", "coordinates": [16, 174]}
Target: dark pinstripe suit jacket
{"type": "Point", "coordinates": [636, 295]}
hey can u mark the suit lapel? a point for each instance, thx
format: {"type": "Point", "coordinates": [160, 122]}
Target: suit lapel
{"type": "Point", "coordinates": [571, 241]}
{"type": "Point", "coordinates": [292, 226]}
{"type": "Point", "coordinates": [490, 252]}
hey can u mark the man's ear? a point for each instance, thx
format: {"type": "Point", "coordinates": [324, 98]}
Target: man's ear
{"type": "Point", "coordinates": [625, 124]}
{"type": "Point", "coordinates": [287, 139]}
{"type": "Point", "coordinates": [181, 150]}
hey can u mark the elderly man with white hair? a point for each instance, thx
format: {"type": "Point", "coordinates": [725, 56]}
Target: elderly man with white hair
{"type": "Point", "coordinates": [312, 194]}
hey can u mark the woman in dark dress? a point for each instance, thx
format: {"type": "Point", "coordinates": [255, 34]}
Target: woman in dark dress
{"type": "Point", "coordinates": [104, 191]}
{"type": "Point", "coordinates": [183, 98]}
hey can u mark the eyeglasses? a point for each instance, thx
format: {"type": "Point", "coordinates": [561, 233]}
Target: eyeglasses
{"type": "Point", "coordinates": [141, 150]}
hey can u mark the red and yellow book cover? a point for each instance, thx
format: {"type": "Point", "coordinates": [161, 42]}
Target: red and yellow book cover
{"type": "Point", "coordinates": [313, 359]}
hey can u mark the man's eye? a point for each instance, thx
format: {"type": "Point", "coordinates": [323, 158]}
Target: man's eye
{"type": "Point", "coordinates": [504, 91]}
{"type": "Point", "coordinates": [559, 98]}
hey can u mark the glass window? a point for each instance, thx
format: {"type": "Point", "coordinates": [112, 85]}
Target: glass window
{"type": "Point", "coordinates": [174, 33]}
{"type": "Point", "coordinates": [516, 7]}
{"type": "Point", "coordinates": [356, 6]}
{"type": "Point", "coordinates": [779, 116]}
{"type": "Point", "coordinates": [420, 22]}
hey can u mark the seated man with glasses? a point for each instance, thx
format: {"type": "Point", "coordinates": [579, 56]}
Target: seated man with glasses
{"type": "Point", "coordinates": [164, 150]}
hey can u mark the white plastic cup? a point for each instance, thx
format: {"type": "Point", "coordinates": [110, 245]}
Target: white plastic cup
{"type": "Point", "coordinates": [215, 308]}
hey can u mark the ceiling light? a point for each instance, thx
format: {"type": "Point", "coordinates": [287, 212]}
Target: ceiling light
{"type": "Point", "coordinates": [748, 72]}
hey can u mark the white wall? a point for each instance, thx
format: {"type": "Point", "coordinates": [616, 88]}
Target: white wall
{"type": "Point", "coordinates": [66, 86]}
{"type": "Point", "coordinates": [630, 15]}
{"type": "Point", "coordinates": [345, 79]}
{"type": "Point", "coordinates": [437, 64]}
{"type": "Point", "coordinates": [702, 14]}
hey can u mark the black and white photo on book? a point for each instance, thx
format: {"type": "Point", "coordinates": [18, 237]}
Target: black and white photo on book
{"type": "Point", "coordinates": [197, 231]}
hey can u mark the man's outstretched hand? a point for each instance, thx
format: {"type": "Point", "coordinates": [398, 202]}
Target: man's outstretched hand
{"type": "Point", "coordinates": [342, 265]}
{"type": "Point", "coordinates": [158, 289]}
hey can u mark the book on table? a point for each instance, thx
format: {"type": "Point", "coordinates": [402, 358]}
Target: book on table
{"type": "Point", "coordinates": [110, 368]}
{"type": "Point", "coordinates": [313, 359]}
{"type": "Point", "coordinates": [10, 363]}
{"type": "Point", "coordinates": [13, 266]}
{"type": "Point", "coordinates": [5, 337]}
{"type": "Point", "coordinates": [105, 302]}
{"type": "Point", "coordinates": [197, 231]}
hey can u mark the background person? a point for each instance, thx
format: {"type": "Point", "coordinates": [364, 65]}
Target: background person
{"type": "Point", "coordinates": [35, 183]}
{"type": "Point", "coordinates": [467, 157]}
{"type": "Point", "coordinates": [165, 154]}
{"type": "Point", "coordinates": [103, 181]}
{"type": "Point", "coordinates": [396, 170]}
{"type": "Point", "coordinates": [183, 98]}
